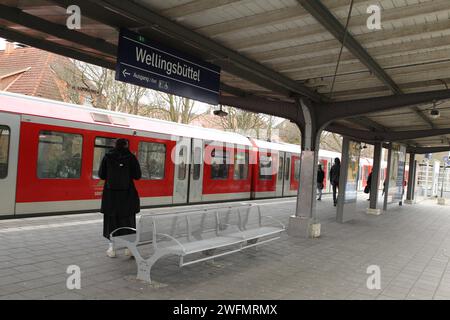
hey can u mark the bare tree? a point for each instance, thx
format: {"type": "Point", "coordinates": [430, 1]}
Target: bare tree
{"type": "Point", "coordinates": [101, 88]}
{"type": "Point", "coordinates": [289, 132]}
{"type": "Point", "coordinates": [245, 122]}
{"type": "Point", "coordinates": [173, 108]}
{"type": "Point", "coordinates": [331, 141]}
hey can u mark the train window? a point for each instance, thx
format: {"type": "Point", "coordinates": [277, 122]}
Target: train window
{"type": "Point", "coordinates": [152, 158]}
{"type": "Point", "coordinates": [4, 151]}
{"type": "Point", "coordinates": [265, 167]}
{"type": "Point", "coordinates": [280, 168]}
{"type": "Point", "coordinates": [219, 164]}
{"type": "Point", "coordinates": [101, 147]}
{"type": "Point", "coordinates": [182, 156]}
{"type": "Point", "coordinates": [197, 163]}
{"type": "Point", "coordinates": [59, 155]}
{"type": "Point", "coordinates": [297, 169]}
{"type": "Point", "coordinates": [240, 165]}
{"type": "Point", "coordinates": [287, 168]}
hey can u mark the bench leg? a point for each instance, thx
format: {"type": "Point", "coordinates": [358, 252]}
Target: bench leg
{"type": "Point", "coordinates": [143, 271]}
{"type": "Point", "coordinates": [145, 266]}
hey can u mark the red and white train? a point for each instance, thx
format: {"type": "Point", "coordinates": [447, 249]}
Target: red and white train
{"type": "Point", "coordinates": [50, 153]}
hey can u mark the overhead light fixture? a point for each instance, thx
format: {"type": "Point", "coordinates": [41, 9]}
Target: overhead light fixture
{"type": "Point", "coordinates": [220, 112]}
{"type": "Point", "coordinates": [434, 113]}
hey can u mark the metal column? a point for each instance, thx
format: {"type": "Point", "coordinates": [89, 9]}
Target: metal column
{"type": "Point", "coordinates": [386, 179]}
{"type": "Point", "coordinates": [304, 222]}
{"type": "Point", "coordinates": [411, 178]}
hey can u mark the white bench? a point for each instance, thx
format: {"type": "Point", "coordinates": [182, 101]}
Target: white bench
{"type": "Point", "coordinates": [198, 235]}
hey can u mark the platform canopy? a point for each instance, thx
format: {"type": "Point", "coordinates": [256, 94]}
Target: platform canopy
{"type": "Point", "coordinates": [273, 53]}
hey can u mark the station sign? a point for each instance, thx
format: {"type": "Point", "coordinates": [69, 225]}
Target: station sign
{"type": "Point", "coordinates": [144, 62]}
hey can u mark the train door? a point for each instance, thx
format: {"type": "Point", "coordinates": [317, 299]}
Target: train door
{"type": "Point", "coordinates": [9, 149]}
{"type": "Point", "coordinates": [287, 174]}
{"type": "Point", "coordinates": [279, 186]}
{"type": "Point", "coordinates": [181, 158]}
{"type": "Point", "coordinates": [196, 172]}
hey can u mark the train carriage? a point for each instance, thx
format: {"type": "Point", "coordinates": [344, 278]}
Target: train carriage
{"type": "Point", "coordinates": [276, 170]}
{"type": "Point", "coordinates": [50, 153]}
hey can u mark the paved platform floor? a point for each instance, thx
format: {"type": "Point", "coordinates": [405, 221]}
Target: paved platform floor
{"type": "Point", "coordinates": [410, 244]}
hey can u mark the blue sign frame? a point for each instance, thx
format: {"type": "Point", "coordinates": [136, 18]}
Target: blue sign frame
{"type": "Point", "coordinates": [149, 64]}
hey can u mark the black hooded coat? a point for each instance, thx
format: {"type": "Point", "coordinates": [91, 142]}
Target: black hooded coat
{"type": "Point", "coordinates": [120, 199]}
{"type": "Point", "coordinates": [335, 173]}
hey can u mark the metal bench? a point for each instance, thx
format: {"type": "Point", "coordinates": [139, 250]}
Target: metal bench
{"type": "Point", "coordinates": [198, 235]}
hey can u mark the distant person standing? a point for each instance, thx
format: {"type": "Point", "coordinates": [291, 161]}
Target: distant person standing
{"type": "Point", "coordinates": [120, 200]}
{"type": "Point", "coordinates": [368, 185]}
{"type": "Point", "coordinates": [335, 172]}
{"type": "Point", "coordinates": [320, 178]}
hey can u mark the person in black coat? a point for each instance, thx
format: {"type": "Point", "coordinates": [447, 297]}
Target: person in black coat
{"type": "Point", "coordinates": [369, 184]}
{"type": "Point", "coordinates": [120, 199]}
{"type": "Point", "coordinates": [334, 178]}
{"type": "Point", "coordinates": [320, 178]}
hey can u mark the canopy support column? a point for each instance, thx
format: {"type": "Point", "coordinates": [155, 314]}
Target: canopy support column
{"type": "Point", "coordinates": [304, 222]}
{"type": "Point", "coordinates": [411, 179]}
{"type": "Point", "coordinates": [386, 179]}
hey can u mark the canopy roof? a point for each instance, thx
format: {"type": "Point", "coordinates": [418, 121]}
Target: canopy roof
{"type": "Point", "coordinates": [275, 50]}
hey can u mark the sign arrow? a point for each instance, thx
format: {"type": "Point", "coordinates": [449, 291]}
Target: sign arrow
{"type": "Point", "coordinates": [125, 73]}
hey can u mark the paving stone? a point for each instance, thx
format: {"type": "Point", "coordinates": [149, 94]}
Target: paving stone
{"type": "Point", "coordinates": [411, 247]}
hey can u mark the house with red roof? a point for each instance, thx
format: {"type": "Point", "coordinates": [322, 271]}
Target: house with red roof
{"type": "Point", "coordinates": [36, 72]}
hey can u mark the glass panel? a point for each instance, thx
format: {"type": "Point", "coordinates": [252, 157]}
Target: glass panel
{"type": "Point", "coordinates": [4, 151]}
{"type": "Point", "coordinates": [219, 164]}
{"type": "Point", "coordinates": [240, 165]}
{"type": "Point", "coordinates": [297, 169]}
{"type": "Point", "coordinates": [265, 167]}
{"type": "Point", "coordinates": [280, 168]}
{"type": "Point", "coordinates": [287, 169]}
{"type": "Point", "coordinates": [59, 155]}
{"type": "Point", "coordinates": [182, 166]}
{"type": "Point", "coordinates": [101, 147]}
{"type": "Point", "coordinates": [152, 158]}
{"type": "Point", "coordinates": [197, 163]}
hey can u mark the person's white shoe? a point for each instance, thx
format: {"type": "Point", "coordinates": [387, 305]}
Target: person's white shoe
{"type": "Point", "coordinates": [111, 253]}
{"type": "Point", "coordinates": [128, 252]}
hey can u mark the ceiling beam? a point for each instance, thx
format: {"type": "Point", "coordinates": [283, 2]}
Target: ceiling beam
{"type": "Point", "coordinates": [329, 48]}
{"type": "Point", "coordinates": [317, 69]}
{"type": "Point", "coordinates": [417, 85]}
{"type": "Point", "coordinates": [276, 108]}
{"type": "Point", "coordinates": [195, 7]}
{"type": "Point", "coordinates": [423, 117]}
{"type": "Point", "coordinates": [368, 123]}
{"type": "Point", "coordinates": [423, 150]}
{"type": "Point", "coordinates": [260, 20]}
{"type": "Point", "coordinates": [243, 66]}
{"type": "Point", "coordinates": [43, 44]}
{"type": "Point", "coordinates": [387, 136]}
{"type": "Point", "coordinates": [329, 21]}
{"type": "Point", "coordinates": [392, 15]}
{"type": "Point", "coordinates": [19, 17]}
{"type": "Point", "coordinates": [345, 109]}
{"type": "Point", "coordinates": [233, 90]}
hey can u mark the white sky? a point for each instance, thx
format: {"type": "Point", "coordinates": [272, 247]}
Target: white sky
{"type": "Point", "coordinates": [2, 43]}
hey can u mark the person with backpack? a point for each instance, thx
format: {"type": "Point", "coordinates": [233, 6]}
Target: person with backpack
{"type": "Point", "coordinates": [334, 178]}
{"type": "Point", "coordinates": [120, 199]}
{"type": "Point", "coordinates": [368, 185]}
{"type": "Point", "coordinates": [320, 178]}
